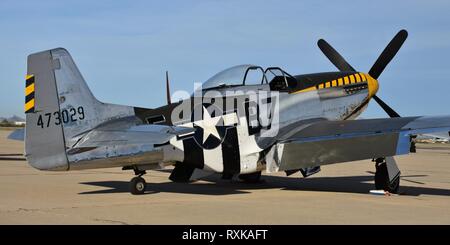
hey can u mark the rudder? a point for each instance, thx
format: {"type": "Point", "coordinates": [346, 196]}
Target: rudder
{"type": "Point", "coordinates": [44, 142]}
{"type": "Point", "coordinates": [59, 108]}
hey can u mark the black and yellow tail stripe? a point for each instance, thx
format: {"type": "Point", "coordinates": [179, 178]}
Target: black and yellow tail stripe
{"type": "Point", "coordinates": [29, 94]}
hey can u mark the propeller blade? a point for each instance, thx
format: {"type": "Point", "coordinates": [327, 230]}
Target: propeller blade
{"type": "Point", "coordinates": [168, 88]}
{"type": "Point", "coordinates": [388, 53]}
{"type": "Point", "coordinates": [334, 56]}
{"type": "Point", "coordinates": [385, 107]}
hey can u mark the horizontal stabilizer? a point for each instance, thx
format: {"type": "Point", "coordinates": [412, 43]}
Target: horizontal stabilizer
{"type": "Point", "coordinates": [18, 134]}
{"type": "Point", "coordinates": [133, 135]}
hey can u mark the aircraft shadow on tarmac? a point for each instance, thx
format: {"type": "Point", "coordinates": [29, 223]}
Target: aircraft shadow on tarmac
{"type": "Point", "coordinates": [217, 186]}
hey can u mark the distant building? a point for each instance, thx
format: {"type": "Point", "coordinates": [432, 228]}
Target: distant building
{"type": "Point", "coordinates": [12, 121]}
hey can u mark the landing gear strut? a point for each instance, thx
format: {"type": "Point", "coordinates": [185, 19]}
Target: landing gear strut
{"type": "Point", "coordinates": [137, 184]}
{"type": "Point", "coordinates": [387, 175]}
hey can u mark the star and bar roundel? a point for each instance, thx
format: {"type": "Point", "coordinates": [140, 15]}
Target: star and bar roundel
{"type": "Point", "coordinates": [212, 126]}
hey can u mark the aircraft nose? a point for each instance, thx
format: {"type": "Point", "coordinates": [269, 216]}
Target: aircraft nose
{"type": "Point", "coordinates": [372, 84]}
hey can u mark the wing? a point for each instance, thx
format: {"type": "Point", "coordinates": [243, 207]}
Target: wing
{"type": "Point", "coordinates": [327, 142]}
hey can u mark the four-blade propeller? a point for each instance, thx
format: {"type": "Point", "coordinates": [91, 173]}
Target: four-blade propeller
{"type": "Point", "coordinates": [383, 60]}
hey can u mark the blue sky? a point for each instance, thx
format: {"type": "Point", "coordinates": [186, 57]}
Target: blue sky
{"type": "Point", "coordinates": [123, 48]}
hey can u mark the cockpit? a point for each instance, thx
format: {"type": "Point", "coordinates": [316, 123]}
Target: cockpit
{"type": "Point", "coordinates": [243, 75]}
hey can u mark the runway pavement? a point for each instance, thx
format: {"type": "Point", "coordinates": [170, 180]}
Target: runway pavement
{"type": "Point", "coordinates": [339, 194]}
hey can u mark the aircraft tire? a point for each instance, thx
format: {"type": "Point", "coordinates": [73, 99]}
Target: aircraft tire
{"type": "Point", "coordinates": [137, 186]}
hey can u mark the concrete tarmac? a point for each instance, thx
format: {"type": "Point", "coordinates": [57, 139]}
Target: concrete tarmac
{"type": "Point", "coordinates": [339, 194]}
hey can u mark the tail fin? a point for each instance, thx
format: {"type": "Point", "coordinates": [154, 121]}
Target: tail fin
{"type": "Point", "coordinates": [59, 106]}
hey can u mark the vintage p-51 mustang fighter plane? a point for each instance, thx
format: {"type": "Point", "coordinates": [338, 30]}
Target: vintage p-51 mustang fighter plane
{"type": "Point", "coordinates": [295, 124]}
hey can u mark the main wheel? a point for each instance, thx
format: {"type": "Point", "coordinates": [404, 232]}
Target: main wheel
{"type": "Point", "coordinates": [137, 185]}
{"type": "Point", "coordinates": [251, 178]}
{"type": "Point", "coordinates": [382, 179]}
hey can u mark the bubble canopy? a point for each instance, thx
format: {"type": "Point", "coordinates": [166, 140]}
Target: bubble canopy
{"type": "Point", "coordinates": [237, 76]}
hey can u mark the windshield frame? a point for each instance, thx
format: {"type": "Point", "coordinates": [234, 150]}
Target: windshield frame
{"type": "Point", "coordinates": [239, 74]}
{"type": "Point", "coordinates": [264, 78]}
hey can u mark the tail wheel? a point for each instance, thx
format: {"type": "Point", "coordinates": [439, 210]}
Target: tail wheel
{"type": "Point", "coordinates": [382, 179]}
{"type": "Point", "coordinates": [137, 186]}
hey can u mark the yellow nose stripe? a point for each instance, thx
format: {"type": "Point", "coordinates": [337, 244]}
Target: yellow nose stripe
{"type": "Point", "coordinates": [363, 77]}
{"type": "Point", "coordinates": [358, 79]}
{"type": "Point", "coordinates": [346, 81]}
{"type": "Point", "coordinates": [352, 79]}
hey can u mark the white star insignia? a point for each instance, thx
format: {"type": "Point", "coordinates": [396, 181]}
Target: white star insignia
{"type": "Point", "coordinates": [208, 124]}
